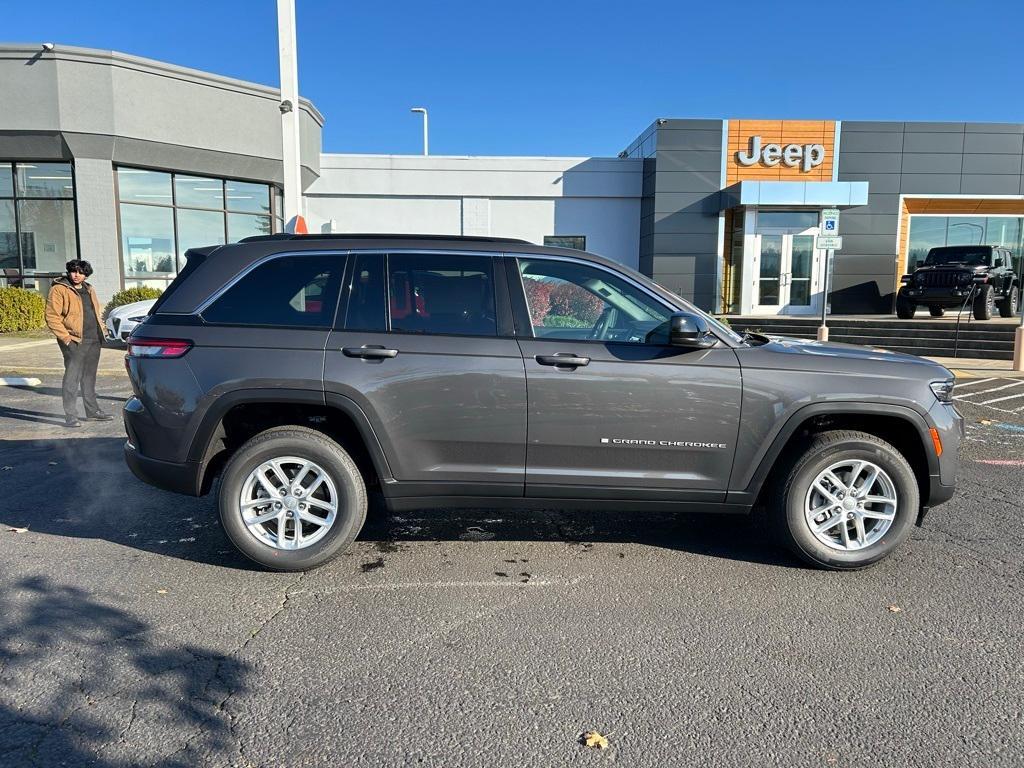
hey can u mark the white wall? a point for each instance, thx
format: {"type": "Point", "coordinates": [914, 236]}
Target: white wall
{"type": "Point", "coordinates": [524, 197]}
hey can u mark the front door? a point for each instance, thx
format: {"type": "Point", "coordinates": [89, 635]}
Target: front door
{"type": "Point", "coordinates": [614, 411]}
{"type": "Point", "coordinates": [786, 273]}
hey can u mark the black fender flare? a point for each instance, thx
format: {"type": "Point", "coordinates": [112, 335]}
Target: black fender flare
{"type": "Point", "coordinates": [210, 425]}
{"type": "Point", "coordinates": [800, 417]}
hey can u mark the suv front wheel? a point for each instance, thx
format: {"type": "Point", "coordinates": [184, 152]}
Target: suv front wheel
{"type": "Point", "coordinates": [292, 499]}
{"type": "Point", "coordinates": [905, 308]}
{"type": "Point", "coordinates": [984, 303]}
{"type": "Point", "coordinates": [848, 500]}
{"type": "Point", "coordinates": [1008, 305]}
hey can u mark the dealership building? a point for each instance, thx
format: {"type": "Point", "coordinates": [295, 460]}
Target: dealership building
{"type": "Point", "coordinates": [128, 162]}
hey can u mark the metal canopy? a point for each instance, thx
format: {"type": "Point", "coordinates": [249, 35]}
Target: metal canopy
{"type": "Point", "coordinates": [834, 194]}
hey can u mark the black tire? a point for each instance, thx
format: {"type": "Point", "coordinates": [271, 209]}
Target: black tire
{"type": "Point", "coordinates": [303, 443]}
{"type": "Point", "coordinates": [937, 311]}
{"type": "Point", "coordinates": [821, 451]}
{"type": "Point", "coordinates": [984, 303]}
{"type": "Point", "coordinates": [1008, 306]}
{"type": "Point", "coordinates": [905, 308]}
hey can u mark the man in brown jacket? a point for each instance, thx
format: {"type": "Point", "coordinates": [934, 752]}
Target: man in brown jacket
{"type": "Point", "coordinates": [73, 314]}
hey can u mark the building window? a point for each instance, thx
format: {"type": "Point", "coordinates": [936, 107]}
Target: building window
{"type": "Point", "coordinates": [576, 242]}
{"type": "Point", "coordinates": [37, 223]}
{"type": "Point", "coordinates": [162, 215]}
{"type": "Point", "coordinates": [927, 232]}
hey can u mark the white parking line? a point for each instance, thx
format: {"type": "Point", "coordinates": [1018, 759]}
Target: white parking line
{"type": "Point", "coordinates": [972, 382]}
{"type": "Point", "coordinates": [24, 345]}
{"type": "Point", "coordinates": [1000, 399]}
{"type": "Point", "coordinates": [989, 391]}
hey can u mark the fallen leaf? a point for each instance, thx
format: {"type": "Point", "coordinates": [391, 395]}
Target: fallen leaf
{"type": "Point", "coordinates": [53, 463]}
{"type": "Point", "coordinates": [986, 422]}
{"type": "Point", "coordinates": [161, 591]}
{"type": "Point", "coordinates": [7, 468]}
{"type": "Point", "coordinates": [594, 739]}
{"type": "Point", "coordinates": [18, 530]}
{"type": "Point", "coordinates": [894, 609]}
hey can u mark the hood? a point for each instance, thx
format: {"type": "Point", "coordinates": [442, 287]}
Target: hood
{"type": "Point", "coordinates": [833, 350]}
{"type": "Point", "coordinates": [135, 308]}
{"type": "Point", "coordinates": [951, 268]}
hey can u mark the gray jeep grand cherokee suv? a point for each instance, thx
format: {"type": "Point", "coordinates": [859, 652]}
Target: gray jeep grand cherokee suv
{"type": "Point", "coordinates": [303, 370]}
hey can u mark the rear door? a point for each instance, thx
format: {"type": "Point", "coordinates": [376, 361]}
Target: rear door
{"type": "Point", "coordinates": [614, 411]}
{"type": "Point", "coordinates": [268, 328]}
{"type": "Point", "coordinates": [426, 350]}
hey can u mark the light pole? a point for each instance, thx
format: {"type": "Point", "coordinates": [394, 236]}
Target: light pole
{"type": "Point", "coordinates": [426, 129]}
{"type": "Point", "coordinates": [289, 108]}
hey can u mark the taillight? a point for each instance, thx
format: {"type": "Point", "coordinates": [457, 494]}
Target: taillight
{"type": "Point", "coordinates": [158, 347]}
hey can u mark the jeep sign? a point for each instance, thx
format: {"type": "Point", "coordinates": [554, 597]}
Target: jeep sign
{"type": "Point", "coordinates": [807, 156]}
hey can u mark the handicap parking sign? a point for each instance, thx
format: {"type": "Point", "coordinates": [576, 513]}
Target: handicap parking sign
{"type": "Point", "coordinates": [830, 225]}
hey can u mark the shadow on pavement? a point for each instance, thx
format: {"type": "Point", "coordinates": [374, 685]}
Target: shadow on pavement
{"type": "Point", "coordinates": [98, 497]}
{"type": "Point", "coordinates": [86, 683]}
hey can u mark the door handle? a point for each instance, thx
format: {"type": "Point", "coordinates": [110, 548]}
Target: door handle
{"type": "Point", "coordinates": [369, 352]}
{"type": "Point", "coordinates": [562, 359]}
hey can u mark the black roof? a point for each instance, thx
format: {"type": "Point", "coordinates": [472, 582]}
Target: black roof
{"type": "Point", "coordinates": [381, 236]}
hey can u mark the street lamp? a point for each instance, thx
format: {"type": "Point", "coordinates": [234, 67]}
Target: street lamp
{"type": "Point", "coordinates": [426, 140]}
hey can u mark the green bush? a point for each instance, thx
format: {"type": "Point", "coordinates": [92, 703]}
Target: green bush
{"type": "Point", "coordinates": [21, 310]}
{"type": "Point", "coordinates": [130, 296]}
{"type": "Point", "coordinates": [562, 321]}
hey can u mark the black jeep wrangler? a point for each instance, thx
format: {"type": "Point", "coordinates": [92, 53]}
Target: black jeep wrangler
{"type": "Point", "coordinates": [954, 275]}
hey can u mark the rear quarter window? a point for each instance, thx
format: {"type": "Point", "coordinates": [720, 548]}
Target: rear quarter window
{"type": "Point", "coordinates": [287, 291]}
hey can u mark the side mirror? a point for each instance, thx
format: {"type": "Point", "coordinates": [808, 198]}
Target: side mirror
{"type": "Point", "coordinates": [689, 330]}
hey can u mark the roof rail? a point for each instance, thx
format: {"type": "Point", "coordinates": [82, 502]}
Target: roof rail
{"type": "Point", "coordinates": [380, 236]}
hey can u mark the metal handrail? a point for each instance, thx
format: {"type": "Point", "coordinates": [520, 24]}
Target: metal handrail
{"type": "Point", "coordinates": [956, 333]}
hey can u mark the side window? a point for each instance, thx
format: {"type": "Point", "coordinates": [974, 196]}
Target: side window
{"type": "Point", "coordinates": [289, 291]}
{"type": "Point", "coordinates": [367, 295]}
{"type": "Point", "coordinates": [441, 293]}
{"type": "Point", "coordinates": [575, 301]}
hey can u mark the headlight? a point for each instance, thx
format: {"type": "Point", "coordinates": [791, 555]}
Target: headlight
{"type": "Point", "coordinates": [943, 390]}
{"type": "Point", "coordinates": [137, 319]}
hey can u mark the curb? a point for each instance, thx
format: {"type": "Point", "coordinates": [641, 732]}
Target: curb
{"type": "Point", "coordinates": [19, 381]}
{"type": "Point", "coordinates": [19, 372]}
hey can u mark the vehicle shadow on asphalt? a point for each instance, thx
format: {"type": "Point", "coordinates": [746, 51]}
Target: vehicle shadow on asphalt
{"type": "Point", "coordinates": [45, 417]}
{"type": "Point", "coordinates": [88, 683]}
{"type": "Point", "coordinates": [81, 487]}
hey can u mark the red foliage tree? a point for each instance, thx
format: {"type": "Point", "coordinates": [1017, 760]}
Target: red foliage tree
{"type": "Point", "coordinates": [538, 297]}
{"type": "Point", "coordinates": [571, 300]}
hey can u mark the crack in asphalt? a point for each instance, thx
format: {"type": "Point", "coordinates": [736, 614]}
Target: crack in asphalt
{"type": "Point", "coordinates": [220, 708]}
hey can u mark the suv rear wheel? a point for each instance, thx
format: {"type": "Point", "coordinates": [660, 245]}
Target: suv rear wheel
{"type": "Point", "coordinates": [292, 499]}
{"type": "Point", "coordinates": [847, 501]}
{"type": "Point", "coordinates": [1008, 306]}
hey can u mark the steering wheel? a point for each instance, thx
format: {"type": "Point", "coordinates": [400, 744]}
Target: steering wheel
{"type": "Point", "coordinates": [600, 328]}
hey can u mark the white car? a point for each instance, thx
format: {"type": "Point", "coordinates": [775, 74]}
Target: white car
{"type": "Point", "coordinates": [122, 320]}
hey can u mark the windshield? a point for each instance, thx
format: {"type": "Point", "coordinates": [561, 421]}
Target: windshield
{"type": "Point", "coordinates": [973, 257]}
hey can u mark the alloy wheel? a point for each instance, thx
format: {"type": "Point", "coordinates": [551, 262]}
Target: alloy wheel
{"type": "Point", "coordinates": [850, 505]}
{"type": "Point", "coordinates": [288, 503]}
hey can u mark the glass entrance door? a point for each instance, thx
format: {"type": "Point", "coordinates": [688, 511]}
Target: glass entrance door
{"type": "Point", "coordinates": [786, 267]}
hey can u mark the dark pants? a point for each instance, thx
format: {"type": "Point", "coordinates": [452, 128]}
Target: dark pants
{"type": "Point", "coordinates": [81, 359]}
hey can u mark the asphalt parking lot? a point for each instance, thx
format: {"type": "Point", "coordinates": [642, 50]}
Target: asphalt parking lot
{"type": "Point", "coordinates": [132, 634]}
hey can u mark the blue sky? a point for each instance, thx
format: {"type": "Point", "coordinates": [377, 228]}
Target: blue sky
{"type": "Point", "coordinates": [528, 77]}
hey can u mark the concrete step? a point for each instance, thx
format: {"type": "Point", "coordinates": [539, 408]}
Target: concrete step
{"type": "Point", "coordinates": [992, 341]}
